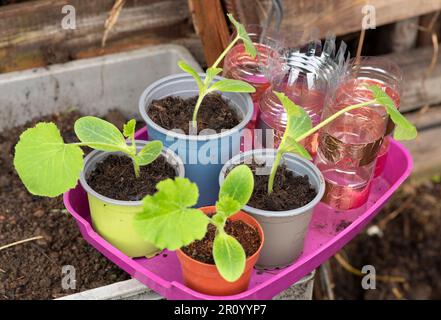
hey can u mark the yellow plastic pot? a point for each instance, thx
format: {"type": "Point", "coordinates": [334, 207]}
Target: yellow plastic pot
{"type": "Point", "coordinates": [113, 219]}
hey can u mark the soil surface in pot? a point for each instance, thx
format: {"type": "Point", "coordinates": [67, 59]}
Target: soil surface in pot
{"type": "Point", "coordinates": [202, 250]}
{"type": "Point", "coordinates": [290, 191]}
{"type": "Point", "coordinates": [114, 177]}
{"type": "Point", "coordinates": [407, 244]}
{"type": "Point", "coordinates": [33, 270]}
{"type": "Point", "coordinates": [176, 113]}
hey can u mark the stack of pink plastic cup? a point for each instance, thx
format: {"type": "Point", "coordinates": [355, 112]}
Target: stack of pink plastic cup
{"type": "Point", "coordinates": [349, 146]}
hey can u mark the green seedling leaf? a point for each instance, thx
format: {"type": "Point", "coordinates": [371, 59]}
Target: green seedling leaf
{"type": "Point", "coordinates": [212, 72]}
{"type": "Point", "coordinates": [167, 219]}
{"type": "Point", "coordinates": [237, 187]}
{"type": "Point", "coordinates": [298, 123]}
{"type": "Point", "coordinates": [290, 145]}
{"type": "Point", "coordinates": [243, 34]}
{"type": "Point", "coordinates": [149, 153]}
{"type": "Point", "coordinates": [223, 85]}
{"type": "Point", "coordinates": [188, 69]}
{"type": "Point", "coordinates": [100, 134]}
{"type": "Point", "coordinates": [229, 256]}
{"type": "Point", "coordinates": [227, 206]}
{"type": "Point", "coordinates": [46, 165]}
{"type": "Point", "coordinates": [229, 85]}
{"type": "Point", "coordinates": [249, 47]}
{"type": "Point", "coordinates": [129, 129]}
{"type": "Point", "coordinates": [298, 120]}
{"type": "Point", "coordinates": [404, 130]}
{"type": "Point", "coordinates": [218, 220]}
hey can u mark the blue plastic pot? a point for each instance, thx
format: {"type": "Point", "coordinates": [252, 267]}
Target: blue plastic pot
{"type": "Point", "coordinates": [203, 155]}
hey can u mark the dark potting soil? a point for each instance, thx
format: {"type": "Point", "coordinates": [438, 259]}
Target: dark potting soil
{"type": "Point", "coordinates": [248, 237]}
{"type": "Point", "coordinates": [176, 113]}
{"type": "Point", "coordinates": [290, 191]}
{"type": "Point", "coordinates": [33, 270]}
{"type": "Point", "coordinates": [114, 177]}
{"type": "Point", "coordinates": [408, 246]}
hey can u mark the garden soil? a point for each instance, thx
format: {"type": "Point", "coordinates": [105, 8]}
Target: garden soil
{"type": "Point", "coordinates": [33, 270]}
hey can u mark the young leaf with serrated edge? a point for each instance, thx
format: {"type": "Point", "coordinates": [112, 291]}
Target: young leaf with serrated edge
{"type": "Point", "coordinates": [243, 34]}
{"type": "Point", "coordinates": [188, 69]}
{"type": "Point", "coordinates": [229, 256]}
{"type": "Point", "coordinates": [149, 153]}
{"type": "Point", "coordinates": [227, 206]}
{"type": "Point", "coordinates": [45, 164]}
{"type": "Point", "coordinates": [404, 129]}
{"type": "Point", "coordinates": [229, 85]}
{"type": "Point", "coordinates": [100, 134]}
{"type": "Point", "coordinates": [167, 219]}
{"type": "Point", "coordinates": [129, 129]}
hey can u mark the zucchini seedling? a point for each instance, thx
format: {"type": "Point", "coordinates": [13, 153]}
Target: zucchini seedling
{"type": "Point", "coordinates": [299, 125]}
{"type": "Point", "coordinates": [49, 167]}
{"type": "Point", "coordinates": [168, 221]}
{"type": "Point", "coordinates": [225, 85]}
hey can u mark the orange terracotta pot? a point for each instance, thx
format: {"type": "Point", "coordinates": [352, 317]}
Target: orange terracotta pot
{"type": "Point", "coordinates": [205, 278]}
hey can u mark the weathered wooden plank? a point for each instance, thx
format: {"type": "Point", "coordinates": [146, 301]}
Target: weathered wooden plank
{"type": "Point", "coordinates": [400, 36]}
{"type": "Point", "coordinates": [246, 11]}
{"type": "Point", "coordinates": [426, 118]}
{"type": "Point", "coordinates": [428, 22]}
{"type": "Point", "coordinates": [210, 24]}
{"type": "Point", "coordinates": [415, 66]}
{"type": "Point", "coordinates": [344, 16]}
{"type": "Point", "coordinates": [29, 30]}
{"type": "Point", "coordinates": [426, 151]}
{"type": "Point", "coordinates": [40, 20]}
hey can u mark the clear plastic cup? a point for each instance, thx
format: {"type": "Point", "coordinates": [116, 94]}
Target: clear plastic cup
{"type": "Point", "coordinates": [349, 145]}
{"type": "Point", "coordinates": [273, 116]}
{"type": "Point", "coordinates": [304, 77]}
{"type": "Point", "coordinates": [388, 76]}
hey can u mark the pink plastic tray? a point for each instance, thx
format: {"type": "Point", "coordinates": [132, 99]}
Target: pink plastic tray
{"type": "Point", "coordinates": [328, 232]}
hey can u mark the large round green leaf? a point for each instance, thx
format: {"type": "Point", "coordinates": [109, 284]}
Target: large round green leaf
{"type": "Point", "coordinates": [167, 219]}
{"type": "Point", "coordinates": [46, 165]}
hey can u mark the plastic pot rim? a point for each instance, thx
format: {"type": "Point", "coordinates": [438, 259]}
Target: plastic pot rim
{"type": "Point", "coordinates": [212, 209]}
{"type": "Point", "coordinates": [238, 159]}
{"type": "Point", "coordinates": [167, 153]}
{"type": "Point", "coordinates": [184, 76]}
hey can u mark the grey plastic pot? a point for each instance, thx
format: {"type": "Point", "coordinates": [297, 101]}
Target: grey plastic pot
{"type": "Point", "coordinates": [113, 219]}
{"type": "Point", "coordinates": [284, 231]}
{"type": "Point", "coordinates": [203, 155]}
